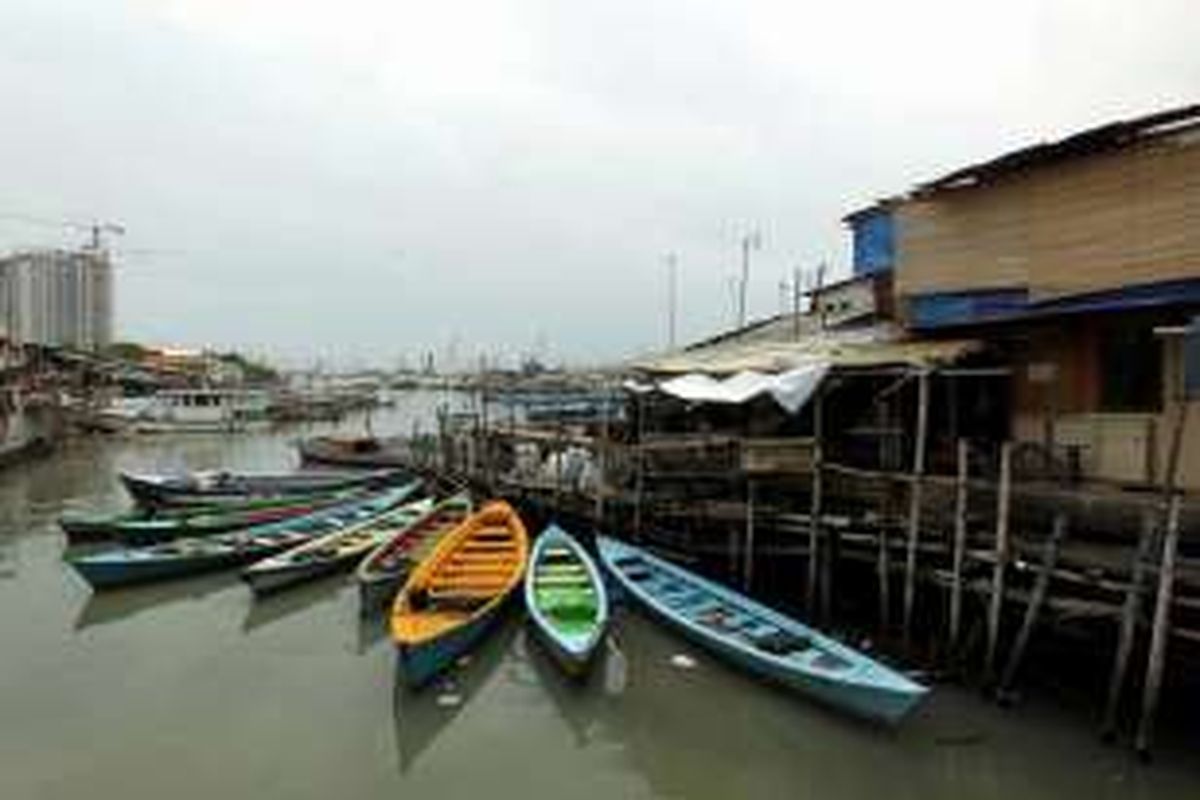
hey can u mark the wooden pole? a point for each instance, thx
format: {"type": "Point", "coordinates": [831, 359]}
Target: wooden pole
{"type": "Point", "coordinates": [558, 461]}
{"type": "Point", "coordinates": [814, 510]}
{"type": "Point", "coordinates": [1001, 556]}
{"type": "Point", "coordinates": [914, 503]}
{"type": "Point", "coordinates": [883, 568]}
{"type": "Point", "coordinates": [639, 481]}
{"type": "Point", "coordinates": [960, 542]}
{"type": "Point", "coordinates": [1130, 611]}
{"type": "Point", "coordinates": [602, 464]}
{"type": "Point", "coordinates": [748, 556]}
{"type": "Point", "coordinates": [1160, 630]}
{"type": "Point", "coordinates": [1166, 576]}
{"type": "Point", "coordinates": [1036, 600]}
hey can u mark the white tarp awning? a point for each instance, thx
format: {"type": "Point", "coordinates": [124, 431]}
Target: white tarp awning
{"type": "Point", "coordinates": [790, 389]}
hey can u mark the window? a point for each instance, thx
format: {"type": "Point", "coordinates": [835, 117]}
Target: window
{"type": "Point", "coordinates": [1131, 368]}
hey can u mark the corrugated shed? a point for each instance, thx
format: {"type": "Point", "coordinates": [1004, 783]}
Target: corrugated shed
{"type": "Point", "coordinates": [881, 345]}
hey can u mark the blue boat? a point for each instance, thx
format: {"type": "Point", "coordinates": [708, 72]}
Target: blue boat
{"type": "Point", "coordinates": [566, 599]}
{"type": "Point", "coordinates": [190, 555]}
{"type": "Point", "coordinates": [759, 639]}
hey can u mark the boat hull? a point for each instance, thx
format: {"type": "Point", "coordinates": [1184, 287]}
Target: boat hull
{"type": "Point", "coordinates": [881, 703]}
{"type": "Point", "coordinates": [377, 593]}
{"type": "Point", "coordinates": [574, 654]}
{"type": "Point", "coordinates": [273, 580]}
{"type": "Point", "coordinates": [419, 663]}
{"type": "Point", "coordinates": [110, 574]}
{"type": "Point", "coordinates": [154, 492]}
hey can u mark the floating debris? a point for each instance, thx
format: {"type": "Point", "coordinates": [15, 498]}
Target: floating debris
{"type": "Point", "coordinates": [683, 661]}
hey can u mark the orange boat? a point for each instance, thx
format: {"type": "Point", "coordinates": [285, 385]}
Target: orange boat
{"type": "Point", "coordinates": [453, 596]}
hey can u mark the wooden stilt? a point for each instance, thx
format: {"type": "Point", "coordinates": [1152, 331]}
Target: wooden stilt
{"type": "Point", "coordinates": [558, 463]}
{"type": "Point", "coordinates": [1130, 611]}
{"type": "Point", "coordinates": [960, 543]}
{"type": "Point", "coordinates": [814, 511]}
{"type": "Point", "coordinates": [1036, 599]}
{"type": "Point", "coordinates": [602, 465]}
{"type": "Point", "coordinates": [883, 567]}
{"type": "Point", "coordinates": [1159, 631]}
{"type": "Point", "coordinates": [914, 504]}
{"type": "Point", "coordinates": [748, 555]}
{"type": "Point", "coordinates": [1166, 577]}
{"type": "Point", "coordinates": [1001, 556]}
{"type": "Point", "coordinates": [640, 468]}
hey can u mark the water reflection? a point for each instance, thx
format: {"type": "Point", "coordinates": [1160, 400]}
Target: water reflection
{"type": "Point", "coordinates": [272, 607]}
{"type": "Point", "coordinates": [580, 702]}
{"type": "Point", "coordinates": [117, 604]}
{"type": "Point", "coordinates": [421, 716]}
{"type": "Point", "coordinates": [372, 629]}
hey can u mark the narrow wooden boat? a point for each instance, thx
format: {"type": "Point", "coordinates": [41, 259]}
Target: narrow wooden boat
{"type": "Point", "coordinates": [380, 574]}
{"type": "Point", "coordinates": [452, 597]}
{"type": "Point", "coordinates": [193, 554]}
{"type": "Point", "coordinates": [224, 487]}
{"type": "Point", "coordinates": [566, 598]}
{"type": "Point", "coordinates": [331, 552]}
{"type": "Point", "coordinates": [359, 451]}
{"type": "Point", "coordinates": [148, 527]}
{"type": "Point", "coordinates": [759, 639]}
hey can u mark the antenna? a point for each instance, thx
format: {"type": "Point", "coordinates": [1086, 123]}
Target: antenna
{"type": "Point", "coordinates": [750, 241]}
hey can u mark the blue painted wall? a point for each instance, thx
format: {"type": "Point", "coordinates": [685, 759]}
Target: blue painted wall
{"type": "Point", "coordinates": [874, 243]}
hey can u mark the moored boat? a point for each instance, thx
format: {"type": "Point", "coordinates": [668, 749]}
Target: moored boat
{"type": "Point", "coordinates": [381, 572]}
{"type": "Point", "coordinates": [193, 554]}
{"type": "Point", "coordinates": [147, 527]}
{"type": "Point", "coordinates": [759, 639]}
{"type": "Point", "coordinates": [224, 487]}
{"type": "Point", "coordinates": [357, 451]}
{"type": "Point", "coordinates": [453, 596]}
{"type": "Point", "coordinates": [331, 552]}
{"type": "Point", "coordinates": [566, 599]}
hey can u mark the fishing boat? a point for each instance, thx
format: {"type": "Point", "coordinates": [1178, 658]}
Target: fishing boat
{"type": "Point", "coordinates": [331, 552]}
{"type": "Point", "coordinates": [225, 487]}
{"type": "Point", "coordinates": [567, 602]}
{"type": "Point", "coordinates": [355, 451]}
{"type": "Point", "coordinates": [759, 639]}
{"type": "Point", "coordinates": [193, 554]}
{"type": "Point", "coordinates": [159, 525]}
{"type": "Point", "coordinates": [453, 596]}
{"type": "Point", "coordinates": [380, 574]}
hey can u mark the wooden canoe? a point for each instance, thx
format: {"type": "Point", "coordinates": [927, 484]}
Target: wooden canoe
{"type": "Point", "coordinates": [331, 552]}
{"type": "Point", "coordinates": [451, 599]}
{"type": "Point", "coordinates": [759, 639]}
{"type": "Point", "coordinates": [193, 554]}
{"type": "Point", "coordinates": [381, 572]}
{"type": "Point", "coordinates": [566, 599]}
{"type": "Point", "coordinates": [147, 527]}
{"type": "Point", "coordinates": [201, 488]}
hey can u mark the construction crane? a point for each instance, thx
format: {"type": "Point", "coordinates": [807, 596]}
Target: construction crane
{"type": "Point", "coordinates": [96, 229]}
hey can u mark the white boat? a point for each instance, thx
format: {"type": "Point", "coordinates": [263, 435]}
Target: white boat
{"type": "Point", "coordinates": [190, 410]}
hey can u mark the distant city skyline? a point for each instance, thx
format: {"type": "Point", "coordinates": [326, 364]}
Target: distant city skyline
{"type": "Point", "coordinates": [362, 182]}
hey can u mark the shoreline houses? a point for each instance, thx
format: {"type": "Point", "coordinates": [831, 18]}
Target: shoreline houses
{"type": "Point", "coordinates": [983, 427]}
{"type": "Point", "coordinates": [1048, 280]}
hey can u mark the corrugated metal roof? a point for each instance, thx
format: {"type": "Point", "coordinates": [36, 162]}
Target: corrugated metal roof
{"type": "Point", "coordinates": [880, 345]}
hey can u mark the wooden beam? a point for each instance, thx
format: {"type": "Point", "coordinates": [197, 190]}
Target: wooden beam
{"type": "Point", "coordinates": [1130, 611]}
{"type": "Point", "coordinates": [914, 504]}
{"type": "Point", "coordinates": [1040, 587]}
{"type": "Point", "coordinates": [960, 542]}
{"type": "Point", "coordinates": [1001, 550]}
{"type": "Point", "coordinates": [1159, 631]}
{"type": "Point", "coordinates": [814, 511]}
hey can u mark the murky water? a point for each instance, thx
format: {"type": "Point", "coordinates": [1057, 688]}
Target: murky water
{"type": "Point", "coordinates": [194, 690]}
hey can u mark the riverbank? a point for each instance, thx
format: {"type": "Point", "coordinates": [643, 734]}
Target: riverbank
{"type": "Point", "coordinates": [194, 690]}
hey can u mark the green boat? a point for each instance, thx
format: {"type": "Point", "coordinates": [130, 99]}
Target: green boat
{"type": "Point", "coordinates": [566, 598]}
{"type": "Point", "coordinates": [142, 527]}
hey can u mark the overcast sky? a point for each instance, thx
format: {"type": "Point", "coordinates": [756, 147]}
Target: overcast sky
{"type": "Point", "coordinates": [357, 181]}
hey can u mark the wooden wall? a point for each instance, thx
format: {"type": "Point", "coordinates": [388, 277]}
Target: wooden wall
{"type": "Point", "coordinates": [1096, 222]}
